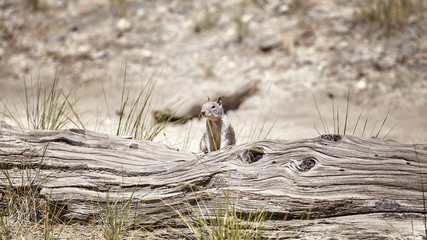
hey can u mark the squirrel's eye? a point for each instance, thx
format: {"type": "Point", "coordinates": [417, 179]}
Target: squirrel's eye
{"type": "Point", "coordinates": [213, 107]}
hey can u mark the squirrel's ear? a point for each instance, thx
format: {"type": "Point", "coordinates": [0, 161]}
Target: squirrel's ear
{"type": "Point", "coordinates": [219, 101]}
{"type": "Point", "coordinates": [209, 99]}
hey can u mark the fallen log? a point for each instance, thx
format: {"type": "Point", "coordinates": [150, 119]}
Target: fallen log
{"type": "Point", "coordinates": [329, 187]}
{"type": "Point", "coordinates": [229, 102]}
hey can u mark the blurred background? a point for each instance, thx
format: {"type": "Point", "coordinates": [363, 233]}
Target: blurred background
{"type": "Point", "coordinates": [287, 69]}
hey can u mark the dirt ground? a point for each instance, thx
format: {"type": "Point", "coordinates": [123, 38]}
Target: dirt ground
{"type": "Point", "coordinates": [291, 49]}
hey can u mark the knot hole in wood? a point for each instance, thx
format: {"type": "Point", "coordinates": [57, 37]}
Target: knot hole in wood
{"type": "Point", "coordinates": [251, 155]}
{"type": "Point", "coordinates": [331, 137]}
{"type": "Point", "coordinates": [306, 164]}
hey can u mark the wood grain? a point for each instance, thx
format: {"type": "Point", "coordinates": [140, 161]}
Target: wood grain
{"type": "Point", "coordinates": [344, 187]}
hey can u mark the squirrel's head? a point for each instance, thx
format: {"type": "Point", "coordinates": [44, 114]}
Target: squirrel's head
{"type": "Point", "coordinates": [213, 110]}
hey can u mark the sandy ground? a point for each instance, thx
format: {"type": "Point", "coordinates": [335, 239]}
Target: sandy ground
{"type": "Point", "coordinates": [326, 48]}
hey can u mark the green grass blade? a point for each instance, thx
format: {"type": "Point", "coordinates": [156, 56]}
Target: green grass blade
{"type": "Point", "coordinates": [123, 102]}
{"type": "Point", "coordinates": [357, 122]}
{"type": "Point", "coordinates": [364, 126]}
{"type": "Point", "coordinates": [320, 115]}
{"type": "Point", "coordinates": [373, 129]}
{"type": "Point", "coordinates": [346, 112]}
{"type": "Point", "coordinates": [383, 123]}
{"type": "Point", "coordinates": [317, 130]}
{"type": "Point", "coordinates": [391, 129]}
{"type": "Point", "coordinates": [333, 114]}
{"type": "Point", "coordinates": [338, 120]}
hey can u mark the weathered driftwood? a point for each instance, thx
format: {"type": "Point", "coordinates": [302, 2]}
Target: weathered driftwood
{"type": "Point", "coordinates": [229, 102]}
{"type": "Point", "coordinates": [346, 186]}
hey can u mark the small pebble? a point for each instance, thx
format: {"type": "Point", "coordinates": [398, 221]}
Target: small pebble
{"type": "Point", "coordinates": [123, 25]}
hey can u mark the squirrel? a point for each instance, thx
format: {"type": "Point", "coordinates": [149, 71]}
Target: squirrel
{"type": "Point", "coordinates": [218, 131]}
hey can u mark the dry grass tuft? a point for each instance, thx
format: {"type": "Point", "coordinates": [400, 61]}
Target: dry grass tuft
{"type": "Point", "coordinates": [208, 18]}
{"type": "Point", "coordinates": [387, 15]}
